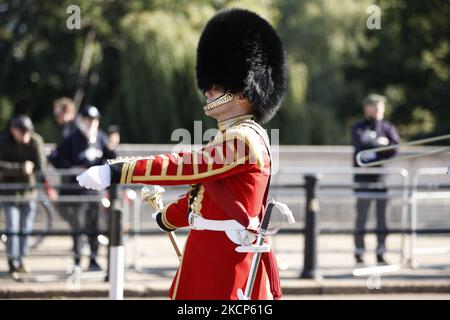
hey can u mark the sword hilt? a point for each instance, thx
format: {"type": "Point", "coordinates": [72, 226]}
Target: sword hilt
{"type": "Point", "coordinates": [152, 195]}
{"type": "Point", "coordinates": [246, 295]}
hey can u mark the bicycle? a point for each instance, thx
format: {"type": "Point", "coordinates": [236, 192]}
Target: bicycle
{"type": "Point", "coordinates": [43, 223]}
{"type": "Point", "coordinates": [44, 217]}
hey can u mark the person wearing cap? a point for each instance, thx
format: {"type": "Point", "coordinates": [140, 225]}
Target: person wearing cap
{"type": "Point", "coordinates": [371, 132]}
{"type": "Point", "coordinates": [86, 146]}
{"type": "Point", "coordinates": [22, 164]}
{"type": "Point", "coordinates": [241, 69]}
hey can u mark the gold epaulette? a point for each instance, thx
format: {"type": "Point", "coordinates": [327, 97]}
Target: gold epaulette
{"type": "Point", "coordinates": [248, 136]}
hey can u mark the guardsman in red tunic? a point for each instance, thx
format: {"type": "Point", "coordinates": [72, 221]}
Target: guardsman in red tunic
{"type": "Point", "coordinates": [241, 69]}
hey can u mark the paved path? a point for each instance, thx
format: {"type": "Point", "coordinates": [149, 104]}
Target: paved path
{"type": "Point", "coordinates": [151, 264]}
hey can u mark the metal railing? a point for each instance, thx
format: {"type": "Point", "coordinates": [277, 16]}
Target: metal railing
{"type": "Point", "coordinates": [338, 190]}
{"type": "Point", "coordinates": [431, 191]}
{"type": "Point", "coordinates": [135, 224]}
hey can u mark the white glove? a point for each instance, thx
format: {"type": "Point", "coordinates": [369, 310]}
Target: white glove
{"type": "Point", "coordinates": [95, 178]}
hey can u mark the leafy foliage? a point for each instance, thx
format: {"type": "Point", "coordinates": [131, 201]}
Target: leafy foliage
{"type": "Point", "coordinates": [135, 60]}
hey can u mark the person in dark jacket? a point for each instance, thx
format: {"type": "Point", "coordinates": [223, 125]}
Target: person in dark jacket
{"type": "Point", "coordinates": [22, 162]}
{"type": "Point", "coordinates": [372, 132]}
{"type": "Point", "coordinates": [86, 146]}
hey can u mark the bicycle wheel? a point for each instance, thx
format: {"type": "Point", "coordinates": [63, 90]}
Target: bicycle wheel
{"type": "Point", "coordinates": [43, 222]}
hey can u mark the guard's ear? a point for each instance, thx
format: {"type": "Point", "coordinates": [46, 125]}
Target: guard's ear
{"type": "Point", "coordinates": [241, 98]}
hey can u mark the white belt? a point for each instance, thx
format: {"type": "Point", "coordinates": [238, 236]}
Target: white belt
{"type": "Point", "coordinates": [197, 222]}
{"type": "Point", "coordinates": [235, 231]}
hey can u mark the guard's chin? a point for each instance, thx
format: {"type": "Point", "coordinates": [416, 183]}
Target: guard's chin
{"type": "Point", "coordinates": [210, 113]}
{"type": "Point", "coordinates": [219, 102]}
{"type": "Point", "coordinates": [217, 110]}
{"type": "Point", "coordinates": [209, 108]}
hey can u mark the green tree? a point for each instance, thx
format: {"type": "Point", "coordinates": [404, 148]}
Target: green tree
{"type": "Point", "coordinates": [408, 60]}
{"type": "Point", "coordinates": [321, 36]}
{"type": "Point", "coordinates": [135, 60]}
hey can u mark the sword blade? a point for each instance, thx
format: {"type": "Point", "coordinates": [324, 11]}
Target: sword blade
{"type": "Point", "coordinates": [257, 256]}
{"type": "Point", "coordinates": [253, 269]}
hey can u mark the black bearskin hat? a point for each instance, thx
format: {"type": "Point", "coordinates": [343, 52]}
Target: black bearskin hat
{"type": "Point", "coordinates": [241, 52]}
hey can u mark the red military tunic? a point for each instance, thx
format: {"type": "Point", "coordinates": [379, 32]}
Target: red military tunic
{"type": "Point", "coordinates": [231, 174]}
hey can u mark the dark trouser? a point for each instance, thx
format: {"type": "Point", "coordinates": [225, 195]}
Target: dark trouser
{"type": "Point", "coordinates": [362, 208]}
{"type": "Point", "coordinates": [74, 213]}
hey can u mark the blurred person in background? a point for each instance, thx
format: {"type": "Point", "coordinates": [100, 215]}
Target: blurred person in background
{"type": "Point", "coordinates": [86, 146]}
{"type": "Point", "coordinates": [113, 136]}
{"type": "Point", "coordinates": [65, 112]}
{"type": "Point", "coordinates": [372, 132]}
{"type": "Point", "coordinates": [22, 161]}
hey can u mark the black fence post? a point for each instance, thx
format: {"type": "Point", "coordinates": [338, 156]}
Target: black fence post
{"type": "Point", "coordinates": [112, 223]}
{"type": "Point", "coordinates": [116, 250]}
{"type": "Point", "coordinates": [311, 228]}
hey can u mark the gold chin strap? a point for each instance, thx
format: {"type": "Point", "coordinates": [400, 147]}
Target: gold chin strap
{"type": "Point", "coordinates": [219, 101]}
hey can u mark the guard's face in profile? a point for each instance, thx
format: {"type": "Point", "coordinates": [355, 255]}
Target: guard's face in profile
{"type": "Point", "coordinates": [213, 93]}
